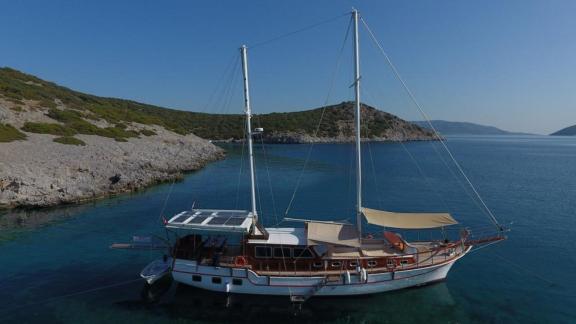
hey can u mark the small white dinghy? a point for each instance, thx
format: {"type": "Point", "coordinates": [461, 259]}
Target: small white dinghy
{"type": "Point", "coordinates": [156, 270]}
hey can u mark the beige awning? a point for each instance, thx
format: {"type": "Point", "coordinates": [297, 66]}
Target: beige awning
{"type": "Point", "coordinates": [407, 220]}
{"type": "Point", "coordinates": [337, 234]}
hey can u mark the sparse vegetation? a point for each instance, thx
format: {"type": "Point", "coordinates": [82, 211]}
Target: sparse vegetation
{"type": "Point", "coordinates": [147, 132]}
{"type": "Point", "coordinates": [48, 128]}
{"type": "Point", "coordinates": [69, 140]}
{"type": "Point", "coordinates": [74, 124]}
{"type": "Point", "coordinates": [337, 119]}
{"type": "Point", "coordinates": [9, 133]}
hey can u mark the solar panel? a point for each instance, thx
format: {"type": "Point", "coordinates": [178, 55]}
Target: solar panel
{"type": "Point", "coordinates": [205, 213]}
{"type": "Point", "coordinates": [197, 220]}
{"type": "Point", "coordinates": [209, 219]}
{"type": "Point", "coordinates": [235, 221]}
{"type": "Point", "coordinates": [232, 213]}
{"type": "Point", "coordinates": [181, 218]}
{"type": "Point", "coordinates": [217, 221]}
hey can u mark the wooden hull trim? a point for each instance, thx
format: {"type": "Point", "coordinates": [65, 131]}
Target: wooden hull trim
{"type": "Point", "coordinates": [245, 281]}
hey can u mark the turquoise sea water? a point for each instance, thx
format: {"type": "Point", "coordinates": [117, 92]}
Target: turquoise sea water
{"type": "Point", "coordinates": [55, 265]}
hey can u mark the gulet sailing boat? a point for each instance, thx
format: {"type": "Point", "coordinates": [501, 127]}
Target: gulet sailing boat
{"type": "Point", "coordinates": [231, 251]}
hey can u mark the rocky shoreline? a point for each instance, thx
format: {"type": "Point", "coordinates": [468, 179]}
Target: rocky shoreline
{"type": "Point", "coordinates": [39, 172]}
{"type": "Point", "coordinates": [302, 138]}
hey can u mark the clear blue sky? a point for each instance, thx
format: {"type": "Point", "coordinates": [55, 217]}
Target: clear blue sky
{"type": "Point", "coordinates": [508, 63]}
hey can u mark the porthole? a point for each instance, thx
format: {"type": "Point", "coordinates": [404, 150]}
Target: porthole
{"type": "Point", "coordinates": [317, 264]}
{"type": "Point", "coordinates": [336, 264]}
{"type": "Point", "coordinates": [372, 264]}
{"type": "Point", "coordinates": [196, 278]}
{"type": "Point", "coordinates": [353, 264]}
{"type": "Point", "coordinates": [237, 282]}
{"type": "Point", "coordinates": [216, 280]}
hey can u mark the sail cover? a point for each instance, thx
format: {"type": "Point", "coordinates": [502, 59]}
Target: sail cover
{"type": "Point", "coordinates": [407, 220]}
{"type": "Point", "coordinates": [333, 233]}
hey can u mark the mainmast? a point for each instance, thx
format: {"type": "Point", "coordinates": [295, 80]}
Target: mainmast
{"type": "Point", "coordinates": [357, 123]}
{"type": "Point", "coordinates": [248, 112]}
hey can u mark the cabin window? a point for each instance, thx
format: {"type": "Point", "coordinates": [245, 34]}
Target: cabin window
{"type": "Point", "coordinates": [216, 280]}
{"type": "Point", "coordinates": [372, 263]}
{"type": "Point", "coordinates": [196, 278]}
{"type": "Point", "coordinates": [303, 253]}
{"type": "Point", "coordinates": [403, 261]}
{"type": "Point", "coordinates": [336, 264]}
{"type": "Point", "coordinates": [353, 264]}
{"type": "Point", "coordinates": [282, 252]}
{"type": "Point", "coordinates": [317, 264]}
{"type": "Point", "coordinates": [263, 252]}
{"type": "Point", "coordinates": [237, 282]}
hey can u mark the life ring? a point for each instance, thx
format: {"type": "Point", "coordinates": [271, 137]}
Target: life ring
{"type": "Point", "coordinates": [240, 261]}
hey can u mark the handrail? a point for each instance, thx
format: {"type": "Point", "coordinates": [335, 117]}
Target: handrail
{"type": "Point", "coordinates": [420, 259]}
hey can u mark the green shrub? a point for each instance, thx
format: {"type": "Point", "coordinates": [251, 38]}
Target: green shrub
{"type": "Point", "coordinates": [9, 133]}
{"type": "Point", "coordinates": [64, 116]}
{"type": "Point", "coordinates": [117, 133]}
{"type": "Point", "coordinates": [75, 124]}
{"type": "Point", "coordinates": [147, 132]}
{"type": "Point", "coordinates": [69, 140]}
{"type": "Point", "coordinates": [48, 128]}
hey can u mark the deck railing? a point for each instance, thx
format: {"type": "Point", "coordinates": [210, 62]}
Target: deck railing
{"type": "Point", "coordinates": [441, 253]}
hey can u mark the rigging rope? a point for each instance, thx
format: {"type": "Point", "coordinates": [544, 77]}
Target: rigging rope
{"type": "Point", "coordinates": [240, 170]}
{"type": "Point", "coordinates": [226, 81]}
{"type": "Point", "coordinates": [412, 158]}
{"type": "Point", "coordinates": [426, 178]}
{"type": "Point", "coordinates": [273, 39]}
{"type": "Point", "coordinates": [330, 89]}
{"type": "Point", "coordinates": [425, 116]}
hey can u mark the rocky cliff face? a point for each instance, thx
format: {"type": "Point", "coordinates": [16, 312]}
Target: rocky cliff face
{"type": "Point", "coordinates": [39, 172]}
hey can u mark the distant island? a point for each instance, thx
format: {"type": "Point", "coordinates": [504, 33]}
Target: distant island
{"type": "Point", "coordinates": [464, 128]}
{"type": "Point", "coordinates": [60, 146]}
{"type": "Point", "coordinates": [568, 131]}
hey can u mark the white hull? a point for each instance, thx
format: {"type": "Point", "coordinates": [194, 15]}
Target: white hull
{"type": "Point", "coordinates": [252, 283]}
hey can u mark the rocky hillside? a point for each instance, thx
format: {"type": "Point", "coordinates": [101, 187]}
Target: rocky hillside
{"type": "Point", "coordinates": [59, 146]}
{"type": "Point", "coordinates": [337, 125]}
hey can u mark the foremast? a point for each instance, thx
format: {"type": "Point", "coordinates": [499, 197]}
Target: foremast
{"type": "Point", "coordinates": [248, 112]}
{"type": "Point", "coordinates": [357, 126]}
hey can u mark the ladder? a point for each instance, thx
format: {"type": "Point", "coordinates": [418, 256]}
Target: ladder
{"type": "Point", "coordinates": [310, 293]}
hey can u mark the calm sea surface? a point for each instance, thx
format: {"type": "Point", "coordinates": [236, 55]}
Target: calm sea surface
{"type": "Point", "coordinates": [55, 265]}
